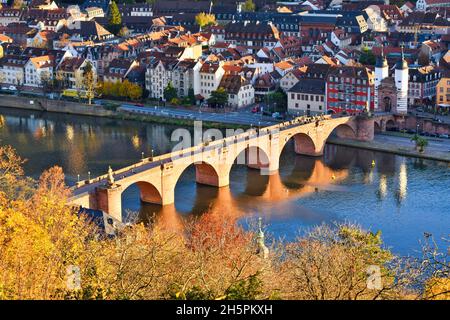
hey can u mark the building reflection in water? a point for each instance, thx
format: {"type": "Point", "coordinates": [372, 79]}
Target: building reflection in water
{"type": "Point", "coordinates": [69, 132]}
{"type": "Point", "coordinates": [136, 141]}
{"type": "Point", "coordinates": [402, 182]}
{"type": "Point", "coordinates": [382, 187]}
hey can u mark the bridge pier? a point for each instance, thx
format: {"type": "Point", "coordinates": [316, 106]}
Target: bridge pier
{"type": "Point", "coordinates": [365, 129]}
{"type": "Point", "coordinates": [109, 199]}
{"type": "Point", "coordinates": [207, 175]}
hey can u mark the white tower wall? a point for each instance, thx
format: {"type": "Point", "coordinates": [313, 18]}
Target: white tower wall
{"type": "Point", "coordinates": [401, 82]}
{"type": "Point", "coordinates": [380, 74]}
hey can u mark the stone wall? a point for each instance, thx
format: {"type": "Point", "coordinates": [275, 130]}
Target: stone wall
{"type": "Point", "coordinates": [61, 106]}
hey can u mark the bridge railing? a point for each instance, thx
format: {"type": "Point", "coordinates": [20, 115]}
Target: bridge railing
{"type": "Point", "coordinates": [252, 133]}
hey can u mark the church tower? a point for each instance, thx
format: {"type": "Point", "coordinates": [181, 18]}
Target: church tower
{"type": "Point", "coordinates": [401, 83]}
{"type": "Point", "coordinates": [381, 72]}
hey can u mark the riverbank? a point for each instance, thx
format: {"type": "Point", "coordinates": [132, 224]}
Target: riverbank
{"type": "Point", "coordinates": [74, 108]}
{"type": "Point", "coordinates": [394, 148]}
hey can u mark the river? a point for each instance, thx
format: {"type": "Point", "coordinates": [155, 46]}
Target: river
{"type": "Point", "coordinates": [403, 197]}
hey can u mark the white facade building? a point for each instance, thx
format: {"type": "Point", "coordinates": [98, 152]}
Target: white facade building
{"type": "Point", "coordinates": [37, 69]}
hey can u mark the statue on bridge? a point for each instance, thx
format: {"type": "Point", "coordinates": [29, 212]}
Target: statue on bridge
{"type": "Point", "coordinates": [110, 179]}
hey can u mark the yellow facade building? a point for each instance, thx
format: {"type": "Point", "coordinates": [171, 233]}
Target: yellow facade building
{"type": "Point", "coordinates": [443, 92]}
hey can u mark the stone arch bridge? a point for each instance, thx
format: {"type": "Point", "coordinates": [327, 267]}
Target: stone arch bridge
{"type": "Point", "coordinates": [260, 149]}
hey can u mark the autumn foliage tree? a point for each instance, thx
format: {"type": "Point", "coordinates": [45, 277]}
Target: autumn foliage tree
{"type": "Point", "coordinates": [121, 90]}
{"type": "Point", "coordinates": [205, 19]}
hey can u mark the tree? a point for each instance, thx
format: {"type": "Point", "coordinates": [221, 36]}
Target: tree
{"type": "Point", "coordinates": [89, 81]}
{"type": "Point", "coordinates": [47, 82]}
{"type": "Point", "coordinates": [218, 98]}
{"type": "Point", "coordinates": [114, 19]}
{"type": "Point", "coordinates": [191, 96]}
{"type": "Point", "coordinates": [367, 57]}
{"type": "Point", "coordinates": [277, 101]}
{"type": "Point", "coordinates": [135, 92]}
{"type": "Point", "coordinates": [248, 6]}
{"type": "Point", "coordinates": [420, 142]}
{"type": "Point", "coordinates": [124, 32]}
{"type": "Point", "coordinates": [18, 4]}
{"type": "Point", "coordinates": [205, 19]}
{"type": "Point", "coordinates": [170, 92]}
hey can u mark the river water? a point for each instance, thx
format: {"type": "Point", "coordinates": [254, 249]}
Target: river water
{"type": "Point", "coordinates": [403, 197]}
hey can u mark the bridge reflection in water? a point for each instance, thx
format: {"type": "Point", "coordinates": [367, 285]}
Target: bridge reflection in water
{"type": "Point", "coordinates": [251, 193]}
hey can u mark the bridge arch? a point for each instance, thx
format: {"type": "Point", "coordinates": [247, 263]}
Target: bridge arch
{"type": "Point", "coordinates": [205, 173]}
{"type": "Point", "coordinates": [148, 192]}
{"type": "Point", "coordinates": [304, 144]}
{"type": "Point", "coordinates": [377, 127]}
{"type": "Point", "coordinates": [345, 131]}
{"type": "Point", "coordinates": [390, 124]}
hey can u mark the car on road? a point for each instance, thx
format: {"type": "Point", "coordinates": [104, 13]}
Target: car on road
{"type": "Point", "coordinates": [433, 135]}
{"type": "Point", "coordinates": [267, 113]}
{"type": "Point", "coordinates": [256, 109]}
{"type": "Point", "coordinates": [139, 105]}
{"type": "Point", "coordinates": [444, 136]}
{"type": "Point", "coordinates": [419, 109]}
{"type": "Point", "coordinates": [10, 88]}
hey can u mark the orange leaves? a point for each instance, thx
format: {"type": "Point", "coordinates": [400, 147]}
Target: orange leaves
{"type": "Point", "coordinates": [10, 162]}
{"type": "Point", "coordinates": [212, 231]}
{"type": "Point", "coordinates": [52, 183]}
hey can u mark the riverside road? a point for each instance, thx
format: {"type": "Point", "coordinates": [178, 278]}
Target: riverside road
{"type": "Point", "coordinates": [243, 117]}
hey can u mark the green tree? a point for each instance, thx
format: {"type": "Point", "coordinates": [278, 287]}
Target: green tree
{"type": "Point", "coordinates": [367, 57]}
{"type": "Point", "coordinates": [219, 98]}
{"type": "Point", "coordinates": [191, 96]}
{"type": "Point", "coordinates": [114, 19]}
{"type": "Point", "coordinates": [277, 101]}
{"type": "Point", "coordinates": [170, 92]}
{"type": "Point", "coordinates": [205, 19]}
{"type": "Point", "coordinates": [249, 6]}
{"type": "Point", "coordinates": [421, 143]}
